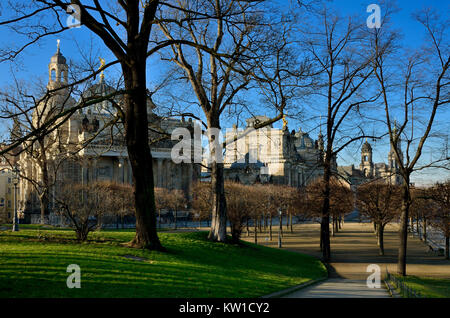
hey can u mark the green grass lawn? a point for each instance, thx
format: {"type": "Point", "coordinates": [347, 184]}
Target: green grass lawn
{"type": "Point", "coordinates": [429, 287]}
{"type": "Point", "coordinates": [33, 263]}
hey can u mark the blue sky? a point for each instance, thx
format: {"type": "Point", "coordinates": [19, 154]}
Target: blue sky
{"type": "Point", "coordinates": [32, 64]}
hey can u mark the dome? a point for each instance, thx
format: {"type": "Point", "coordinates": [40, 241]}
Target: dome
{"type": "Point", "coordinates": [98, 89]}
{"type": "Point", "coordinates": [58, 58]}
{"type": "Point", "coordinates": [366, 147]}
{"type": "Point", "coordinates": [95, 91]}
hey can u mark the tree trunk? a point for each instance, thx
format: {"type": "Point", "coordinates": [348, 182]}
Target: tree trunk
{"type": "Point", "coordinates": [287, 220]}
{"type": "Point", "coordinates": [403, 233]}
{"type": "Point", "coordinates": [447, 240]}
{"type": "Point", "coordinates": [44, 202]}
{"type": "Point", "coordinates": [336, 224]}
{"type": "Point", "coordinates": [260, 225]}
{"type": "Point", "coordinates": [159, 218]}
{"type": "Point", "coordinates": [424, 229]}
{"type": "Point", "coordinates": [218, 229]}
{"type": "Point", "coordinates": [270, 227]}
{"type": "Point", "coordinates": [256, 232]}
{"type": "Point", "coordinates": [248, 229]}
{"type": "Point", "coordinates": [332, 226]}
{"type": "Point", "coordinates": [175, 220]}
{"type": "Point", "coordinates": [137, 140]}
{"type": "Point", "coordinates": [381, 238]}
{"type": "Point", "coordinates": [290, 222]}
{"type": "Point", "coordinates": [325, 222]}
{"type": "Point", "coordinates": [417, 225]}
{"type": "Point", "coordinates": [265, 221]}
{"type": "Point", "coordinates": [44, 197]}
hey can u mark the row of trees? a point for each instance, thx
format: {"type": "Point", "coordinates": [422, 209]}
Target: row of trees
{"type": "Point", "coordinates": [261, 203]}
{"type": "Point", "coordinates": [382, 204]}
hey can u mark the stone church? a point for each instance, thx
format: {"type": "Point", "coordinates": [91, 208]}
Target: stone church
{"type": "Point", "coordinates": [370, 171]}
{"type": "Point", "coordinates": [88, 148]}
{"type": "Point", "coordinates": [270, 155]}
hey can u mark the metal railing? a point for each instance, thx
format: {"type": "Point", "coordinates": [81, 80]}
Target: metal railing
{"type": "Point", "coordinates": [405, 290]}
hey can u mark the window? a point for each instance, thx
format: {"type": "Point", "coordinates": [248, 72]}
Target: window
{"type": "Point", "coordinates": [9, 180]}
{"type": "Point", "coordinates": [9, 204]}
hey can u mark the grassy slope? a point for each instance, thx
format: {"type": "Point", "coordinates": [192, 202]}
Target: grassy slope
{"type": "Point", "coordinates": [429, 287]}
{"type": "Point", "coordinates": [33, 263]}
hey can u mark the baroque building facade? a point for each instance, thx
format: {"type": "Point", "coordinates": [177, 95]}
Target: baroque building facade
{"type": "Point", "coordinates": [87, 148]}
{"type": "Point", "coordinates": [270, 155]}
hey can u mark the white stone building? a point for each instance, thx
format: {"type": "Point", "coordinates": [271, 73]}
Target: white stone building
{"type": "Point", "coordinates": [83, 150]}
{"type": "Point", "coordinates": [272, 155]}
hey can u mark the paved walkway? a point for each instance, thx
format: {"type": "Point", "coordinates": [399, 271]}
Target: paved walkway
{"type": "Point", "coordinates": [352, 250]}
{"type": "Point", "coordinates": [341, 288]}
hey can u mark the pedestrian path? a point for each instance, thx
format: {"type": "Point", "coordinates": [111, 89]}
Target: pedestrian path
{"type": "Point", "coordinates": [353, 250]}
{"type": "Point", "coordinates": [340, 288]}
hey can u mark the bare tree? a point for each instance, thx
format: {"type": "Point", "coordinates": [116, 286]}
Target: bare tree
{"type": "Point", "coordinates": [440, 218]}
{"type": "Point", "coordinates": [125, 28]}
{"type": "Point", "coordinates": [237, 29]}
{"type": "Point", "coordinates": [202, 200]}
{"type": "Point", "coordinates": [83, 205]}
{"type": "Point", "coordinates": [161, 202]}
{"type": "Point", "coordinates": [424, 86]}
{"type": "Point", "coordinates": [176, 200]}
{"type": "Point", "coordinates": [239, 205]}
{"type": "Point", "coordinates": [334, 44]}
{"type": "Point", "coordinates": [381, 203]}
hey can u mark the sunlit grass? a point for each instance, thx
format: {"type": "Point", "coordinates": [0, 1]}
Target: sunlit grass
{"type": "Point", "coordinates": [429, 287]}
{"type": "Point", "coordinates": [33, 263]}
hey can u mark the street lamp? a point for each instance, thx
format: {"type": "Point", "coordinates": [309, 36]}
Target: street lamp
{"type": "Point", "coordinates": [15, 181]}
{"type": "Point", "coordinates": [279, 229]}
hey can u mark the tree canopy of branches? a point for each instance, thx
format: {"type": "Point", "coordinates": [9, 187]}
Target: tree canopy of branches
{"type": "Point", "coordinates": [242, 51]}
{"type": "Point", "coordinates": [85, 204]}
{"type": "Point", "coordinates": [344, 73]}
{"type": "Point", "coordinates": [424, 87]}
{"type": "Point", "coordinates": [381, 203]}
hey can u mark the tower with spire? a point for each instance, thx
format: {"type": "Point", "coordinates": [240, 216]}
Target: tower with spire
{"type": "Point", "coordinates": [57, 70]}
{"type": "Point", "coordinates": [366, 160]}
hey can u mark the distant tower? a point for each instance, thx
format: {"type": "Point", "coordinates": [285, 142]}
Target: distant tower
{"type": "Point", "coordinates": [320, 143]}
{"type": "Point", "coordinates": [366, 160]}
{"type": "Point", "coordinates": [57, 70]}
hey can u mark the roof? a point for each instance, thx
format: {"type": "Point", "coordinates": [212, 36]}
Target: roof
{"type": "Point", "coordinates": [366, 147]}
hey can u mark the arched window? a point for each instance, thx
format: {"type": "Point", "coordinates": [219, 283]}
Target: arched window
{"type": "Point", "coordinates": [53, 75]}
